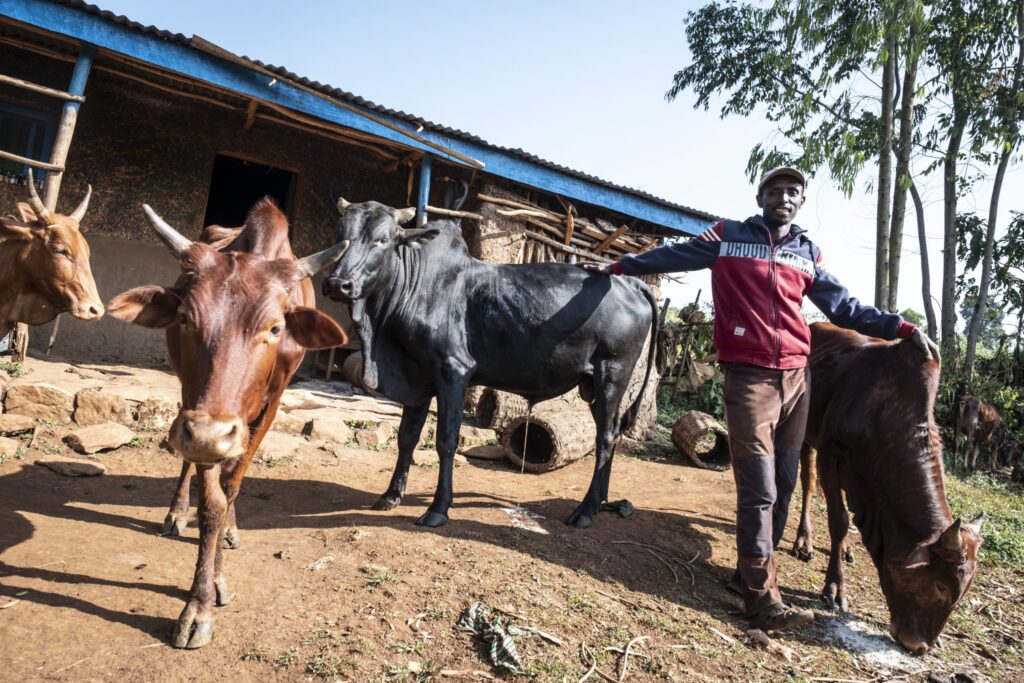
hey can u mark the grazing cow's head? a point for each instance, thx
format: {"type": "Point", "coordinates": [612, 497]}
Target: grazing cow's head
{"type": "Point", "coordinates": [228, 318]}
{"type": "Point", "coordinates": [922, 589]}
{"type": "Point", "coordinates": [374, 232]}
{"type": "Point", "coordinates": [54, 260]}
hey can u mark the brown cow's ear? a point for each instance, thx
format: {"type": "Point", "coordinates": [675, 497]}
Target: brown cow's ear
{"type": "Point", "coordinates": [314, 330]}
{"type": "Point", "coordinates": [919, 557]}
{"type": "Point", "coordinates": [148, 306]}
{"type": "Point", "coordinates": [26, 214]}
{"type": "Point", "coordinates": [14, 232]}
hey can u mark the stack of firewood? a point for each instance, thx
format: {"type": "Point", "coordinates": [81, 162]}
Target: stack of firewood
{"type": "Point", "coordinates": [565, 236]}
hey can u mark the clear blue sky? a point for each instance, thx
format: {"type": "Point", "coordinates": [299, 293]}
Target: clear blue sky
{"type": "Point", "coordinates": [578, 82]}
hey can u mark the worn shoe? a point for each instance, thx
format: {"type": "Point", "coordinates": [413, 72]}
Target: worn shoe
{"type": "Point", "coordinates": [781, 616]}
{"type": "Point", "coordinates": [734, 585]}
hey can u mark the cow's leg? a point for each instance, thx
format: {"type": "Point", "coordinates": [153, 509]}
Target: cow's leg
{"type": "Point", "coordinates": [451, 396]}
{"type": "Point", "coordinates": [834, 593]}
{"type": "Point", "coordinates": [195, 625]}
{"type": "Point", "coordinates": [230, 538]}
{"type": "Point", "coordinates": [177, 516]}
{"type": "Point", "coordinates": [409, 430]}
{"type": "Point", "coordinates": [610, 382]}
{"type": "Point", "coordinates": [803, 547]}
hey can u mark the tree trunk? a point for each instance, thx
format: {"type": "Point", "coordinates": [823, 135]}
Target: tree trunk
{"type": "Point", "coordinates": [883, 215]}
{"type": "Point", "coordinates": [899, 201]}
{"type": "Point", "coordinates": [1009, 117]}
{"type": "Point", "coordinates": [949, 201]}
{"type": "Point", "coordinates": [926, 270]}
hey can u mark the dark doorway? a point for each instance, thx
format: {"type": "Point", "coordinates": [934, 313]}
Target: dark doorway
{"type": "Point", "coordinates": [238, 184]}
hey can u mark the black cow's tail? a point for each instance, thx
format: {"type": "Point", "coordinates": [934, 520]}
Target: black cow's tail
{"type": "Point", "coordinates": [629, 418]}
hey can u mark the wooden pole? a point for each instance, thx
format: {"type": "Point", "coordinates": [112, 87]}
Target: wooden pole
{"type": "Point", "coordinates": [423, 198]}
{"type": "Point", "coordinates": [41, 89]}
{"type": "Point", "coordinates": [52, 168]}
{"type": "Point", "coordinates": [68, 119]}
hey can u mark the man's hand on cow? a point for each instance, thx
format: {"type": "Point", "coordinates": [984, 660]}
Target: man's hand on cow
{"type": "Point", "coordinates": [927, 346]}
{"type": "Point", "coordinates": [594, 267]}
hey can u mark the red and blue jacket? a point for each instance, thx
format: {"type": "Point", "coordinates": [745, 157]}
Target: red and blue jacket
{"type": "Point", "coordinates": [758, 289]}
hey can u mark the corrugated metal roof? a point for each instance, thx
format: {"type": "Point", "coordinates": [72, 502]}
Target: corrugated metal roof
{"type": "Point", "coordinates": [352, 98]}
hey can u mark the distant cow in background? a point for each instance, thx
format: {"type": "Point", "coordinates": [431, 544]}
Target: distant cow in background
{"type": "Point", "coordinates": [872, 423]}
{"type": "Point", "coordinates": [238, 321]}
{"type": "Point", "coordinates": [434, 321]}
{"type": "Point", "coordinates": [44, 265]}
{"type": "Point", "coordinates": [981, 424]}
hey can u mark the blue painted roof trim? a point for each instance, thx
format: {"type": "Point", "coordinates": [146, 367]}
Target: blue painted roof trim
{"type": "Point", "coordinates": [88, 28]}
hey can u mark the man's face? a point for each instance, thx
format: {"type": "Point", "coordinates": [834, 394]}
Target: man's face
{"type": "Point", "coordinates": [780, 199]}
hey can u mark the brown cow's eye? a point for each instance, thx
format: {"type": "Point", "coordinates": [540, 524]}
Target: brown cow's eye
{"type": "Point", "coordinates": [275, 330]}
{"type": "Point", "coordinates": [58, 249]}
{"type": "Point", "coordinates": [941, 588]}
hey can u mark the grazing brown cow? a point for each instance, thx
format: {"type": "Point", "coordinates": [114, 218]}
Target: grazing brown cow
{"type": "Point", "coordinates": [981, 424]}
{"type": "Point", "coordinates": [238, 322]}
{"type": "Point", "coordinates": [871, 421]}
{"type": "Point", "coordinates": [44, 265]}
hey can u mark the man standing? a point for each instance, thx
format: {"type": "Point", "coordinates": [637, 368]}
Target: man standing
{"type": "Point", "coordinates": [761, 269]}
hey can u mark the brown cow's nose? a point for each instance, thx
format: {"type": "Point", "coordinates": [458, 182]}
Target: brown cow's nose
{"type": "Point", "coordinates": [88, 310]}
{"type": "Point", "coordinates": [913, 644]}
{"type": "Point", "coordinates": [204, 439]}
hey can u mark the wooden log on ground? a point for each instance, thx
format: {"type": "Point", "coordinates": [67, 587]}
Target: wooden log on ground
{"type": "Point", "coordinates": [552, 436]}
{"type": "Point", "coordinates": [495, 409]}
{"type": "Point", "coordinates": [352, 369]}
{"type": "Point", "coordinates": [702, 440]}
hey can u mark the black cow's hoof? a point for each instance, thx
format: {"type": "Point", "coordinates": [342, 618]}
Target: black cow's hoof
{"type": "Point", "coordinates": [847, 556]}
{"type": "Point", "coordinates": [387, 502]}
{"type": "Point", "coordinates": [432, 519]}
{"type": "Point", "coordinates": [579, 519]}
{"type": "Point", "coordinates": [230, 538]}
{"type": "Point", "coordinates": [803, 554]}
{"type": "Point", "coordinates": [191, 632]}
{"type": "Point", "coordinates": [174, 524]}
{"type": "Point", "coordinates": [834, 600]}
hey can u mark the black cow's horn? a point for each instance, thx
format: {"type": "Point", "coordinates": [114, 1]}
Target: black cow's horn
{"type": "Point", "coordinates": [403, 216]}
{"type": "Point", "coordinates": [343, 204]}
{"type": "Point", "coordinates": [951, 538]}
{"type": "Point", "coordinates": [314, 263]}
{"type": "Point", "coordinates": [33, 199]}
{"type": "Point", "coordinates": [79, 213]}
{"type": "Point", "coordinates": [172, 239]}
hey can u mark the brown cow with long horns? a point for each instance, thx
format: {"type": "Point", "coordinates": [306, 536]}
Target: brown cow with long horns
{"type": "Point", "coordinates": [44, 265]}
{"type": "Point", "coordinates": [238, 321]}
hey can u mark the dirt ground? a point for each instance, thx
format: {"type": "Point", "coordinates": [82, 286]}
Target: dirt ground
{"type": "Point", "coordinates": [326, 588]}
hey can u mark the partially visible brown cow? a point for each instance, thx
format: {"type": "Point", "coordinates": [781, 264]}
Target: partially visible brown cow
{"type": "Point", "coordinates": [981, 424]}
{"type": "Point", "coordinates": [872, 423]}
{"type": "Point", "coordinates": [44, 265]}
{"type": "Point", "coordinates": [238, 322]}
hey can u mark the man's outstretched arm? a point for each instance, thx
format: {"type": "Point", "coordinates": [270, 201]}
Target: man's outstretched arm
{"type": "Point", "coordinates": [696, 254]}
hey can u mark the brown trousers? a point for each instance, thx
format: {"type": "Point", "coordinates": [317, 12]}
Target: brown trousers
{"type": "Point", "coordinates": [766, 411]}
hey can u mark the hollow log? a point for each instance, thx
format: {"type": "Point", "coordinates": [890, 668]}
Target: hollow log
{"type": "Point", "coordinates": [495, 409]}
{"type": "Point", "coordinates": [553, 437]}
{"type": "Point", "coordinates": [352, 369]}
{"type": "Point", "coordinates": [702, 439]}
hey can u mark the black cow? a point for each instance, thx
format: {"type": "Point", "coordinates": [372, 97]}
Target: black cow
{"type": "Point", "coordinates": [434, 321]}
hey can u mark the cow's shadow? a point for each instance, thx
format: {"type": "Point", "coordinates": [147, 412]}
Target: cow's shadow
{"type": "Point", "coordinates": [603, 551]}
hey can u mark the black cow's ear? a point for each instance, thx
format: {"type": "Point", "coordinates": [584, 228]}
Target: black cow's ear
{"type": "Point", "coordinates": [919, 557]}
{"type": "Point", "coordinates": [417, 237]}
{"type": "Point", "coordinates": [314, 330]}
{"type": "Point", "coordinates": [149, 306]}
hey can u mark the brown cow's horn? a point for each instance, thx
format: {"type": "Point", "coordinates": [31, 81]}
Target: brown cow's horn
{"type": "Point", "coordinates": [951, 538]}
{"type": "Point", "coordinates": [33, 199]}
{"type": "Point", "coordinates": [975, 524]}
{"type": "Point", "coordinates": [343, 204]}
{"type": "Point", "coordinates": [314, 263]}
{"type": "Point", "coordinates": [403, 216]}
{"type": "Point", "coordinates": [171, 238]}
{"type": "Point", "coordinates": [79, 213]}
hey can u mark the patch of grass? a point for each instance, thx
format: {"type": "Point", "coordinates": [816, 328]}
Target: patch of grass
{"type": "Point", "coordinates": [411, 646]}
{"type": "Point", "coordinates": [12, 369]}
{"type": "Point", "coordinates": [378, 575]}
{"type": "Point", "coordinates": [20, 453]}
{"type": "Point", "coordinates": [270, 462]}
{"type": "Point", "coordinates": [286, 659]}
{"type": "Point", "coordinates": [260, 653]}
{"type": "Point", "coordinates": [1001, 501]}
{"type": "Point", "coordinates": [582, 602]}
{"type": "Point", "coordinates": [657, 621]}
